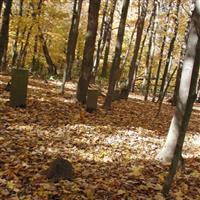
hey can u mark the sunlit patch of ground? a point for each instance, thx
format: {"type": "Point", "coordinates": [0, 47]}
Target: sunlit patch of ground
{"type": "Point", "coordinates": [112, 151]}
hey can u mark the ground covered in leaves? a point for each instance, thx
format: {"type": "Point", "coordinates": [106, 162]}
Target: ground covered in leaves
{"type": "Point", "coordinates": [113, 152]}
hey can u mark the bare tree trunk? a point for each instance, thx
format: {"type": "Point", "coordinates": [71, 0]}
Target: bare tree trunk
{"type": "Point", "coordinates": [133, 66]}
{"type": "Point", "coordinates": [22, 55]}
{"type": "Point", "coordinates": [52, 69]}
{"type": "Point", "coordinates": [116, 61]}
{"type": "Point", "coordinates": [108, 29]}
{"type": "Point", "coordinates": [72, 41]}
{"type": "Point", "coordinates": [150, 55]}
{"type": "Point", "coordinates": [15, 46]}
{"type": "Point", "coordinates": [170, 52]}
{"type": "Point", "coordinates": [1, 4]}
{"type": "Point", "coordinates": [87, 63]}
{"type": "Point", "coordinates": [182, 114]}
{"type": "Point", "coordinates": [179, 71]}
{"type": "Point", "coordinates": [162, 51]}
{"type": "Point", "coordinates": [180, 119]}
{"type": "Point", "coordinates": [100, 46]}
{"type": "Point", "coordinates": [4, 33]}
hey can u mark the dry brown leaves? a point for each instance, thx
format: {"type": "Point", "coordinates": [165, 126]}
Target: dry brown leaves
{"type": "Point", "coordinates": [112, 151]}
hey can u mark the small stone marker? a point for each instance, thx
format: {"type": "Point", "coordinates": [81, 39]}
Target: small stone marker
{"type": "Point", "coordinates": [116, 95]}
{"type": "Point", "coordinates": [123, 93]}
{"type": "Point", "coordinates": [91, 101]}
{"type": "Point", "coordinates": [18, 90]}
{"type": "Point", "coordinates": [60, 169]}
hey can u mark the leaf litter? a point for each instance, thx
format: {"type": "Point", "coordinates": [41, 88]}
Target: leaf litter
{"type": "Point", "coordinates": [112, 152]}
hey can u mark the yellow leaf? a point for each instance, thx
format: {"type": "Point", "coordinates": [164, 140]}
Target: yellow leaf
{"type": "Point", "coordinates": [159, 196]}
{"type": "Point", "coordinates": [12, 186]}
{"type": "Point", "coordinates": [120, 192]}
{"type": "Point", "coordinates": [90, 193]}
{"type": "Point", "coordinates": [137, 171]}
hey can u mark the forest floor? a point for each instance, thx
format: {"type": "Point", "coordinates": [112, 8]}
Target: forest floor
{"type": "Point", "coordinates": [113, 152]}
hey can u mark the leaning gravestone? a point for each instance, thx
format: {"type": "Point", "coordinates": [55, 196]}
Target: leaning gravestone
{"type": "Point", "coordinates": [116, 95]}
{"type": "Point", "coordinates": [18, 91]}
{"type": "Point", "coordinates": [91, 101]}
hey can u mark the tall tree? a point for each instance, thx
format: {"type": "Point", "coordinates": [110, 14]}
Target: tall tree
{"type": "Point", "coordinates": [150, 54]}
{"type": "Point", "coordinates": [170, 52]}
{"type": "Point", "coordinates": [15, 45]}
{"type": "Point", "coordinates": [102, 39]}
{"type": "Point", "coordinates": [4, 33]}
{"type": "Point", "coordinates": [52, 69]}
{"type": "Point", "coordinates": [187, 91]}
{"type": "Point", "coordinates": [190, 75]}
{"type": "Point", "coordinates": [1, 4]}
{"type": "Point", "coordinates": [72, 41]}
{"type": "Point", "coordinates": [108, 29]}
{"type": "Point", "coordinates": [87, 63]}
{"type": "Point", "coordinates": [116, 61]}
{"type": "Point", "coordinates": [140, 28]}
{"type": "Point", "coordinates": [162, 50]}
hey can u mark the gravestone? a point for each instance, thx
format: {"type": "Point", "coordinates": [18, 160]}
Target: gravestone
{"type": "Point", "coordinates": [91, 101]}
{"type": "Point", "coordinates": [18, 90]}
{"type": "Point", "coordinates": [116, 95]}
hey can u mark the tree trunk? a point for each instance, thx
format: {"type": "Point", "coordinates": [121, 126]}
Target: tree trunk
{"type": "Point", "coordinates": [116, 61]}
{"type": "Point", "coordinates": [150, 55]}
{"type": "Point", "coordinates": [170, 52]}
{"type": "Point", "coordinates": [52, 70]}
{"type": "Point", "coordinates": [5, 32]}
{"type": "Point", "coordinates": [15, 53]}
{"type": "Point", "coordinates": [179, 71]}
{"type": "Point", "coordinates": [192, 62]}
{"type": "Point", "coordinates": [1, 4]}
{"type": "Point", "coordinates": [72, 41]}
{"type": "Point", "coordinates": [108, 29]}
{"type": "Point", "coordinates": [188, 77]}
{"type": "Point", "coordinates": [87, 63]}
{"type": "Point", "coordinates": [162, 51]}
{"type": "Point", "coordinates": [133, 66]}
{"type": "Point", "coordinates": [22, 55]}
{"type": "Point", "coordinates": [100, 46]}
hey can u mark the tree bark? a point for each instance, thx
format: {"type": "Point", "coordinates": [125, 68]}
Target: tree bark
{"type": "Point", "coordinates": [1, 4]}
{"type": "Point", "coordinates": [72, 41]}
{"type": "Point", "coordinates": [4, 33]}
{"type": "Point", "coordinates": [150, 55]}
{"type": "Point", "coordinates": [100, 46]}
{"type": "Point", "coordinates": [180, 119]}
{"type": "Point", "coordinates": [15, 46]}
{"type": "Point", "coordinates": [191, 69]}
{"type": "Point", "coordinates": [116, 61]}
{"type": "Point", "coordinates": [170, 52]}
{"type": "Point", "coordinates": [162, 52]}
{"type": "Point", "coordinates": [108, 29]}
{"type": "Point", "coordinates": [52, 69]}
{"type": "Point", "coordinates": [133, 66]}
{"type": "Point", "coordinates": [87, 63]}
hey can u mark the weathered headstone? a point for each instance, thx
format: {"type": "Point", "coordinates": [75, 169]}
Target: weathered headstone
{"type": "Point", "coordinates": [124, 93]}
{"type": "Point", "coordinates": [91, 102]}
{"type": "Point", "coordinates": [60, 169]}
{"type": "Point", "coordinates": [116, 95]}
{"type": "Point", "coordinates": [18, 91]}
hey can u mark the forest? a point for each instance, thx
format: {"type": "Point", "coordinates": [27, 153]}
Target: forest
{"type": "Point", "coordinates": [99, 99]}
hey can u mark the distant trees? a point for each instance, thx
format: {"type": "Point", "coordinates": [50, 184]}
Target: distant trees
{"type": "Point", "coordinates": [4, 32]}
{"type": "Point", "coordinates": [108, 30]}
{"type": "Point", "coordinates": [140, 28]}
{"type": "Point", "coordinates": [72, 41]}
{"type": "Point", "coordinates": [143, 54]}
